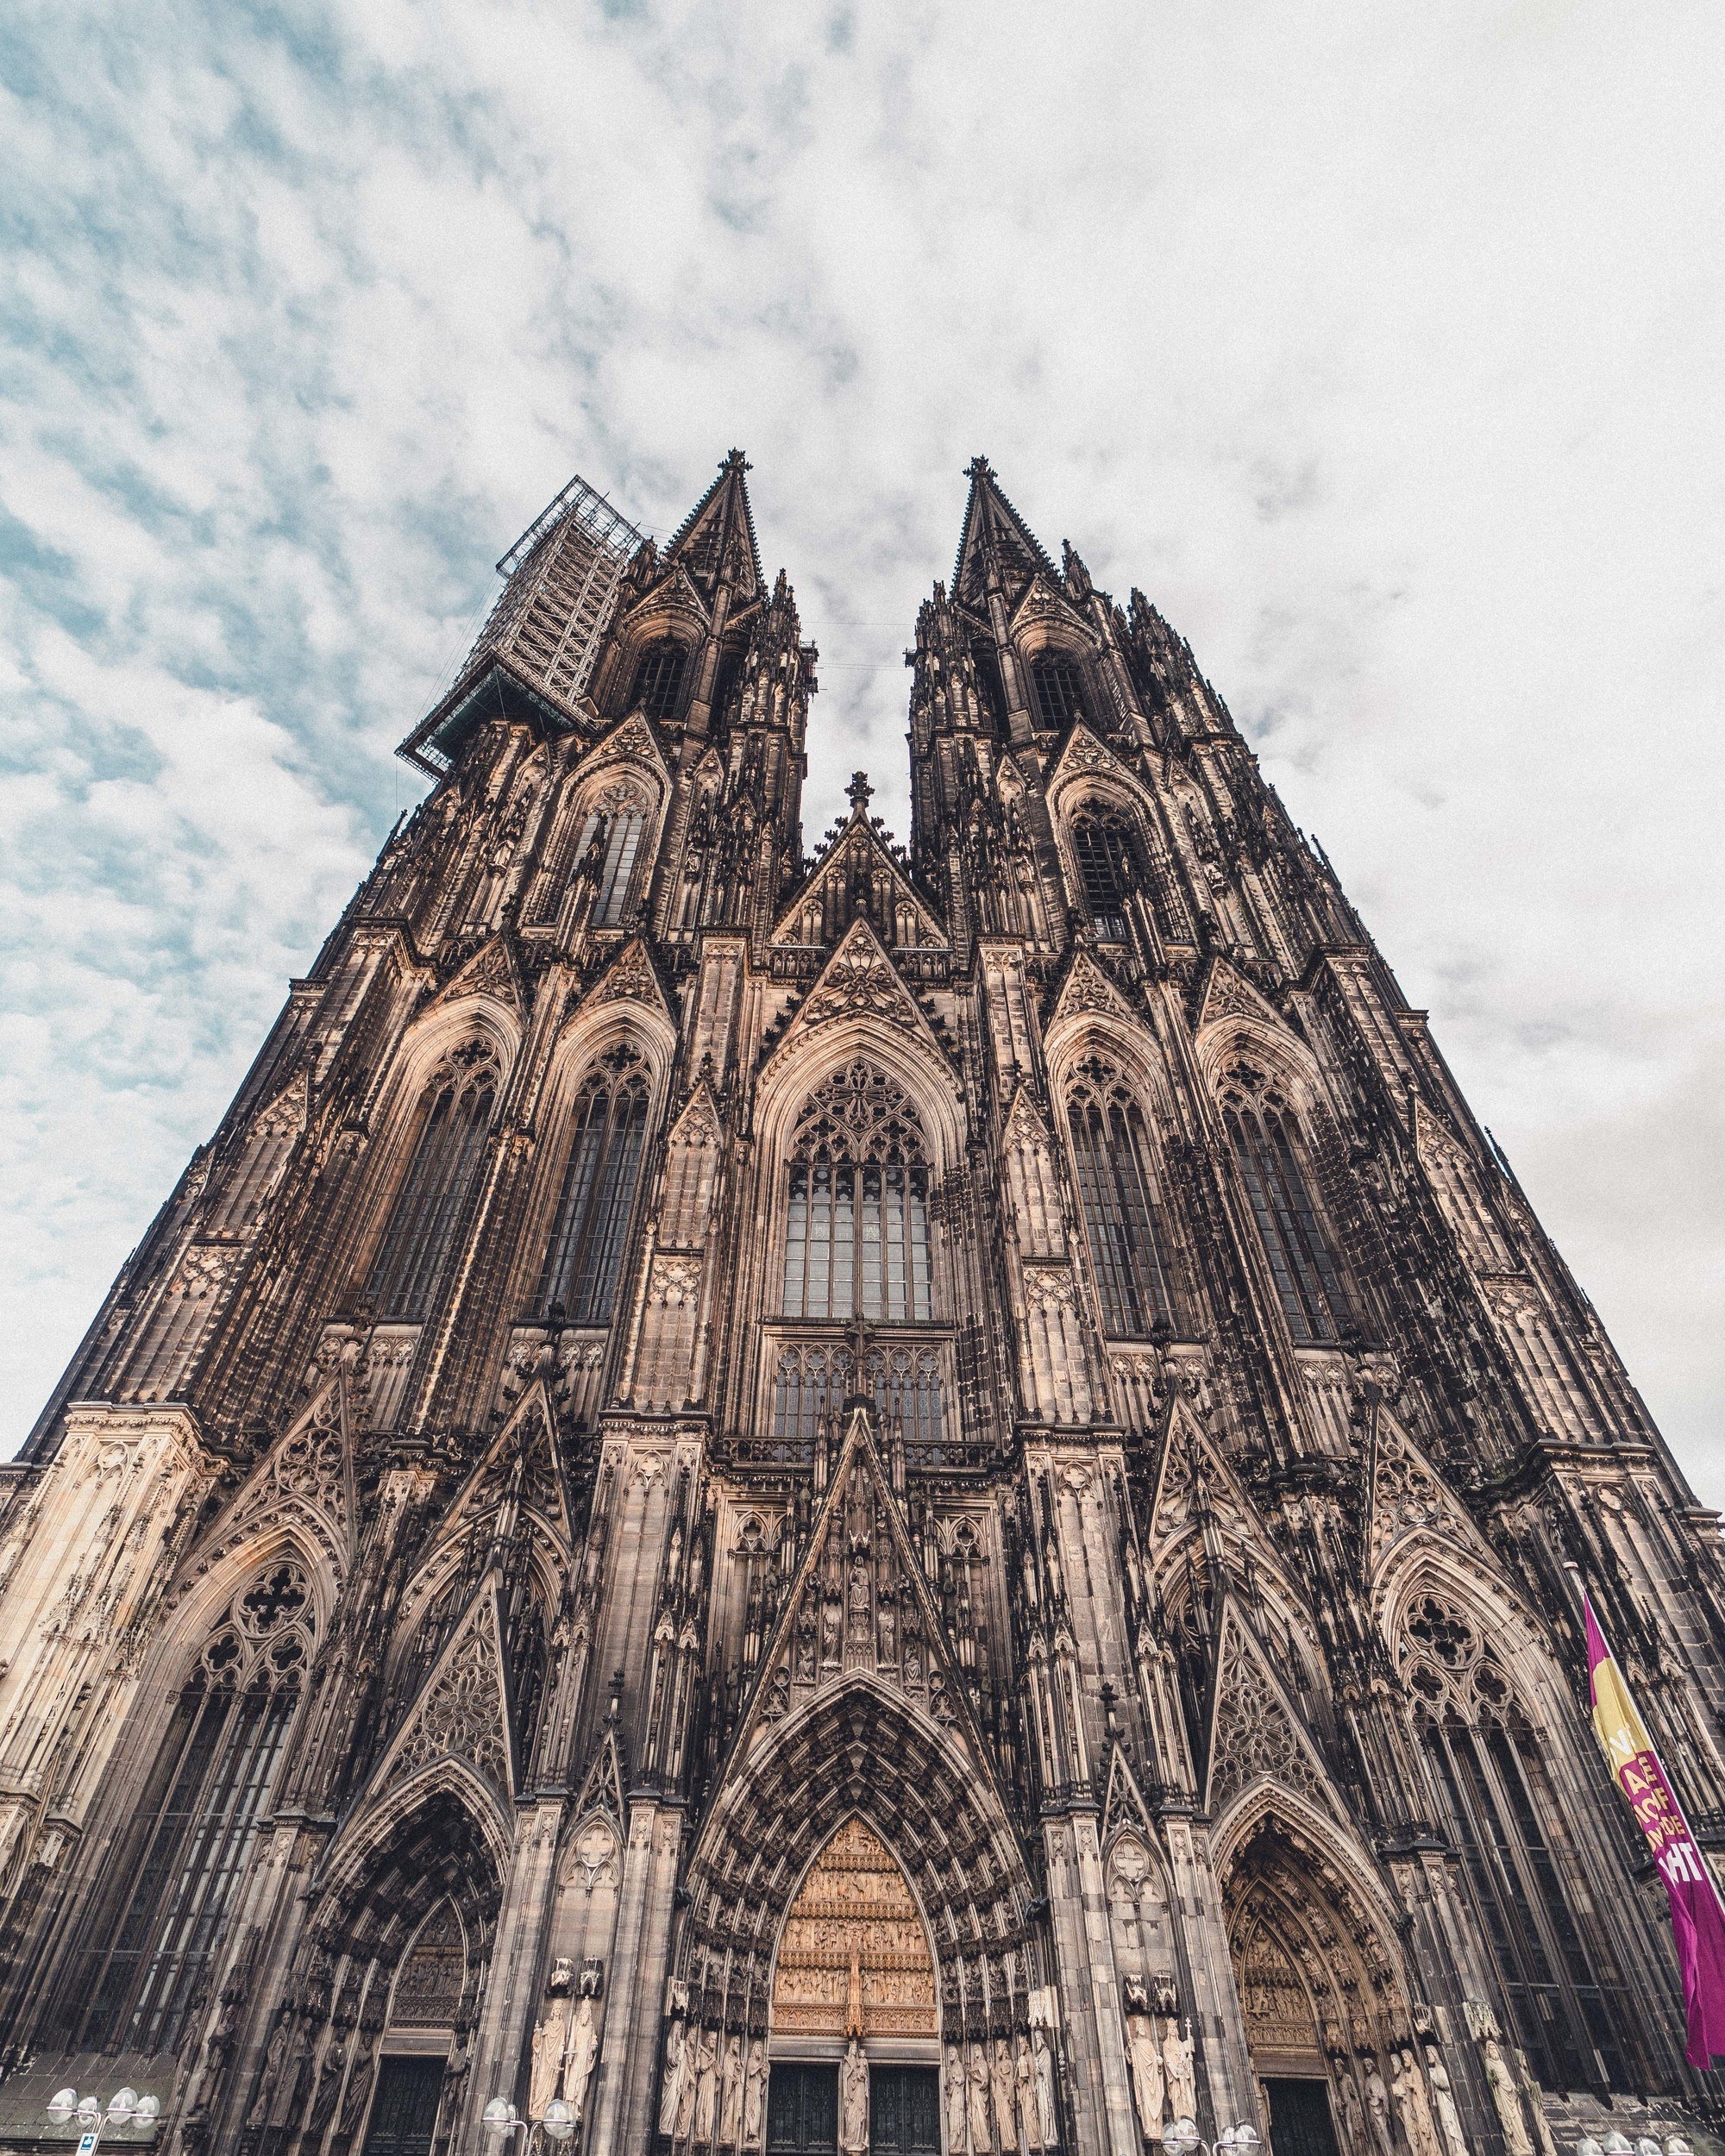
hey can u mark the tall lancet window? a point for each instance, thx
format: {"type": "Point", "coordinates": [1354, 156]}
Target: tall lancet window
{"type": "Point", "coordinates": [166, 1899]}
{"type": "Point", "coordinates": [857, 1241]}
{"type": "Point", "coordinates": [585, 1261]}
{"type": "Point", "coordinates": [438, 1189]}
{"type": "Point", "coordinates": [1059, 688]}
{"type": "Point", "coordinates": [609, 850]}
{"type": "Point", "coordinates": [1487, 1783]}
{"type": "Point", "coordinates": [1101, 844]}
{"type": "Point", "coordinates": [1267, 1144]}
{"type": "Point", "coordinates": [658, 678]}
{"type": "Point", "coordinates": [1109, 1148]}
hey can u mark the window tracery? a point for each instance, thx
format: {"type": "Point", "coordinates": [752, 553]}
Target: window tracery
{"type": "Point", "coordinates": [1487, 1779]}
{"type": "Point", "coordinates": [812, 1379]}
{"type": "Point", "coordinates": [658, 678]}
{"type": "Point", "coordinates": [1058, 685]}
{"type": "Point", "coordinates": [1107, 871]}
{"type": "Point", "coordinates": [153, 1938]}
{"type": "Point", "coordinates": [1119, 1201]}
{"type": "Point", "coordinates": [609, 847]}
{"type": "Point", "coordinates": [1267, 1143]}
{"type": "Point", "coordinates": [856, 1238]}
{"type": "Point", "coordinates": [442, 1178]}
{"type": "Point", "coordinates": [585, 1259]}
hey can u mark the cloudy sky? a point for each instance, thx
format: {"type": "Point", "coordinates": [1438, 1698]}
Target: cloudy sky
{"type": "Point", "coordinates": [1381, 346]}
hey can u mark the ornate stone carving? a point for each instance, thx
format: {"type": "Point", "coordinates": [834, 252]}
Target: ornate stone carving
{"type": "Point", "coordinates": [854, 1948]}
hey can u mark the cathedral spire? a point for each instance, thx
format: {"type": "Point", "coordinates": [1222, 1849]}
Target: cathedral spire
{"type": "Point", "coordinates": [994, 536]}
{"type": "Point", "coordinates": [717, 538]}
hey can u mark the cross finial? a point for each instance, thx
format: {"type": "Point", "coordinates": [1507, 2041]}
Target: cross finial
{"type": "Point", "coordinates": [736, 462]}
{"type": "Point", "coordinates": [979, 468]}
{"type": "Point", "coordinates": [859, 792]}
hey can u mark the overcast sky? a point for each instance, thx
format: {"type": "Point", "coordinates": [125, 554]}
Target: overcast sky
{"type": "Point", "coordinates": [1381, 346]}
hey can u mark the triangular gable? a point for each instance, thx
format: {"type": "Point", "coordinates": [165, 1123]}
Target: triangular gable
{"type": "Point", "coordinates": [858, 839]}
{"type": "Point", "coordinates": [520, 1464]}
{"type": "Point", "coordinates": [1228, 994]}
{"type": "Point", "coordinates": [1025, 1124]}
{"type": "Point", "coordinates": [603, 1786]}
{"type": "Point", "coordinates": [673, 592]}
{"type": "Point", "coordinates": [1088, 991]}
{"type": "Point", "coordinates": [1192, 1479]}
{"type": "Point", "coordinates": [1405, 1495]}
{"type": "Point", "coordinates": [1044, 600]}
{"type": "Point", "coordinates": [860, 1606]}
{"type": "Point", "coordinates": [1083, 752]}
{"type": "Point", "coordinates": [462, 1709]}
{"type": "Point", "coordinates": [859, 980]}
{"type": "Point", "coordinates": [490, 971]}
{"type": "Point", "coordinates": [309, 1470]}
{"type": "Point", "coordinates": [1123, 1805]}
{"type": "Point", "coordinates": [631, 976]}
{"type": "Point", "coordinates": [992, 526]}
{"type": "Point", "coordinates": [287, 1111]}
{"type": "Point", "coordinates": [632, 740]}
{"type": "Point", "coordinates": [1255, 1730]}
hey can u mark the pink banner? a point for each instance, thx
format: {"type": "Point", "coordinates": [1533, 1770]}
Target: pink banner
{"type": "Point", "coordinates": [1697, 1920]}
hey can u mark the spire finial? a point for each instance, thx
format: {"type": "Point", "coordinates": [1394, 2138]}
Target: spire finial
{"type": "Point", "coordinates": [736, 462]}
{"type": "Point", "coordinates": [859, 792]}
{"type": "Point", "coordinates": [979, 468]}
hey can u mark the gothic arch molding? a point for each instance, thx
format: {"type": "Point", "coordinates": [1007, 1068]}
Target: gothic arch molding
{"type": "Point", "coordinates": [803, 1064]}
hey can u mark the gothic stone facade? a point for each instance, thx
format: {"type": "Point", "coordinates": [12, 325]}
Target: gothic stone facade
{"type": "Point", "coordinates": [910, 1498]}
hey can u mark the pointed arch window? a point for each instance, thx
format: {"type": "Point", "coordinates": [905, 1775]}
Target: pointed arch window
{"type": "Point", "coordinates": [153, 1938]}
{"type": "Point", "coordinates": [437, 1190]}
{"type": "Point", "coordinates": [609, 847]}
{"type": "Point", "coordinates": [658, 678]}
{"type": "Point", "coordinates": [1101, 845]}
{"type": "Point", "coordinates": [1488, 1780]}
{"type": "Point", "coordinates": [1267, 1144]}
{"type": "Point", "coordinates": [1059, 688]}
{"type": "Point", "coordinates": [857, 1238]}
{"type": "Point", "coordinates": [1109, 1148]}
{"type": "Point", "coordinates": [589, 1236]}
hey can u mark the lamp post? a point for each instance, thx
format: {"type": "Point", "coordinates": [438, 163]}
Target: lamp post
{"type": "Point", "coordinates": [1614, 2144]}
{"type": "Point", "coordinates": [499, 2119]}
{"type": "Point", "coordinates": [125, 2107]}
{"type": "Point", "coordinates": [1181, 2137]}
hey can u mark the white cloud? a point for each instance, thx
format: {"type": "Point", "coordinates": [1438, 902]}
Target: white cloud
{"type": "Point", "coordinates": [1381, 349]}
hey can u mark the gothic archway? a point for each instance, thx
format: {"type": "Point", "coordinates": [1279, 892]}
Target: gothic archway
{"type": "Point", "coordinates": [1324, 2008]}
{"type": "Point", "coordinates": [854, 1956]}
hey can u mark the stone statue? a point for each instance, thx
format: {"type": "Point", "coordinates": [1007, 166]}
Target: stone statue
{"type": "Point", "coordinates": [755, 2094]}
{"type": "Point", "coordinates": [1047, 2117]}
{"type": "Point", "coordinates": [1408, 2092]}
{"type": "Point", "coordinates": [549, 2040]}
{"type": "Point", "coordinates": [976, 2075]}
{"type": "Point", "coordinates": [1006, 2097]}
{"type": "Point", "coordinates": [1508, 2098]}
{"type": "Point", "coordinates": [1352, 2113]}
{"type": "Point", "coordinates": [1377, 2106]}
{"type": "Point", "coordinates": [579, 2061]}
{"type": "Point", "coordinates": [1443, 2095]}
{"type": "Point", "coordinates": [731, 2104]}
{"type": "Point", "coordinates": [671, 2094]}
{"type": "Point", "coordinates": [329, 2089]}
{"type": "Point", "coordinates": [1025, 2068]}
{"type": "Point", "coordinates": [853, 2101]}
{"type": "Point", "coordinates": [954, 2101]}
{"type": "Point", "coordinates": [706, 2062]}
{"type": "Point", "coordinates": [1146, 2073]}
{"type": "Point", "coordinates": [1178, 2072]}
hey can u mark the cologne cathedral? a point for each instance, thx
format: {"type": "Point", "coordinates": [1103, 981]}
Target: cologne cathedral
{"type": "Point", "coordinates": [928, 1500]}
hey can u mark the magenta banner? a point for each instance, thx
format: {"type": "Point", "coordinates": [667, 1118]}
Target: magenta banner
{"type": "Point", "coordinates": [1697, 1920]}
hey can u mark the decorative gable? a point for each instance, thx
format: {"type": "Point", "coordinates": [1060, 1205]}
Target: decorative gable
{"type": "Point", "coordinates": [460, 1712]}
{"type": "Point", "coordinates": [860, 1606]}
{"type": "Point", "coordinates": [1083, 752]}
{"type": "Point", "coordinates": [631, 741]}
{"type": "Point", "coordinates": [1192, 1480]}
{"type": "Point", "coordinates": [1044, 601]}
{"type": "Point", "coordinates": [1228, 994]}
{"type": "Point", "coordinates": [1088, 991]}
{"type": "Point", "coordinates": [860, 981]}
{"type": "Point", "coordinates": [1407, 1496]}
{"type": "Point", "coordinates": [857, 877]}
{"type": "Point", "coordinates": [490, 972]}
{"type": "Point", "coordinates": [1254, 1731]}
{"type": "Point", "coordinates": [632, 977]}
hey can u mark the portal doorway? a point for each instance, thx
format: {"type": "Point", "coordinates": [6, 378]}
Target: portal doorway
{"type": "Point", "coordinates": [904, 2111]}
{"type": "Point", "coordinates": [405, 2109]}
{"type": "Point", "coordinates": [802, 2109]}
{"type": "Point", "coordinates": [1300, 2120]}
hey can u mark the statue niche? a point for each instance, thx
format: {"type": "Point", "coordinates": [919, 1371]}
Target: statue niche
{"type": "Point", "coordinates": [853, 1957]}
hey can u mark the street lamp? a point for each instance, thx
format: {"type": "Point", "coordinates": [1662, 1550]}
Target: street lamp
{"type": "Point", "coordinates": [1180, 2137]}
{"type": "Point", "coordinates": [557, 2123]}
{"type": "Point", "coordinates": [125, 2107]}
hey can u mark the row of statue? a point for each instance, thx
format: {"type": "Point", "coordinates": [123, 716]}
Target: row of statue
{"type": "Point", "coordinates": [566, 2042]}
{"type": "Point", "coordinates": [715, 2087]}
{"type": "Point", "coordinates": [1416, 2110]}
{"type": "Point", "coordinates": [1165, 2078]}
{"type": "Point", "coordinates": [1000, 2096]}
